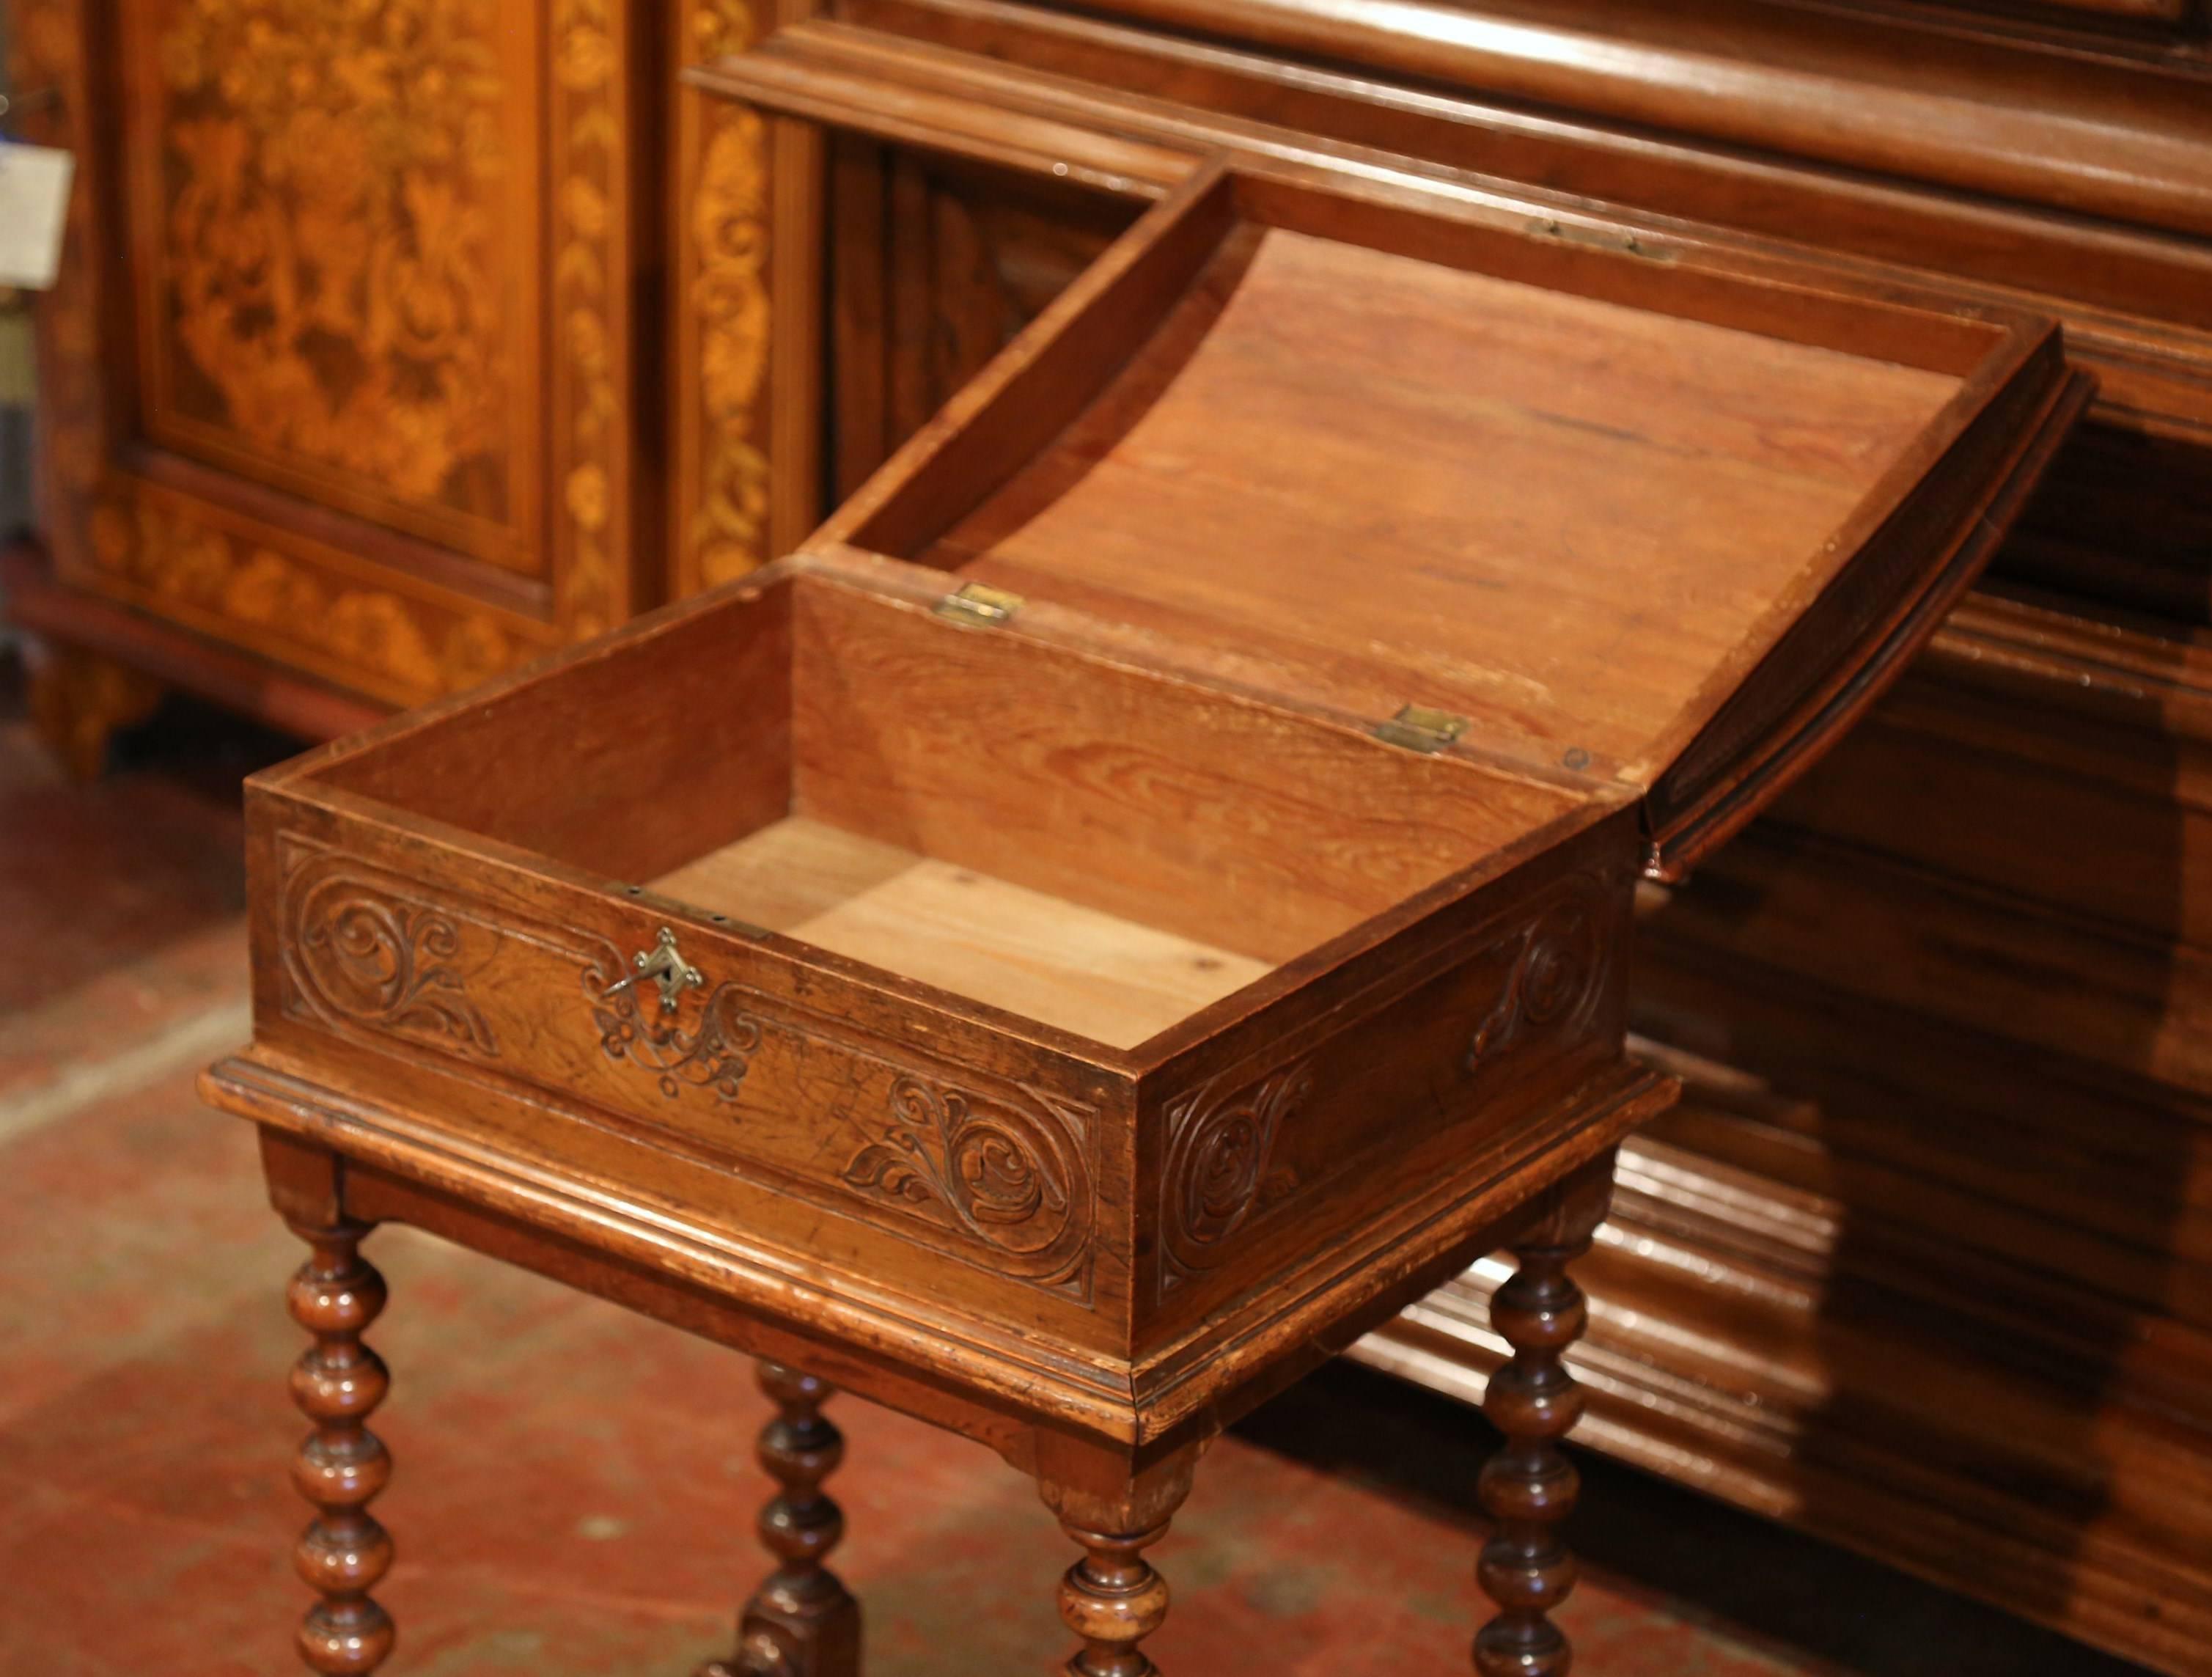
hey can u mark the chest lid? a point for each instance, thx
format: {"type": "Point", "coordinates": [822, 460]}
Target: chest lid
{"type": "Point", "coordinates": [1642, 518]}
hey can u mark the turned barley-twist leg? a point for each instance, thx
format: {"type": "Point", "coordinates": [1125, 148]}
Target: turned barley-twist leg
{"type": "Point", "coordinates": [341, 1465]}
{"type": "Point", "coordinates": [1113, 1600]}
{"type": "Point", "coordinates": [1529, 1486]}
{"type": "Point", "coordinates": [802, 1622]}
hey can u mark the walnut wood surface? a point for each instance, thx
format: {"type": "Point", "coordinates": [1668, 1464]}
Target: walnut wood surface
{"type": "Point", "coordinates": [1928, 1203]}
{"type": "Point", "coordinates": [1549, 472]}
{"type": "Point", "coordinates": [478, 987]}
{"type": "Point", "coordinates": [2117, 526]}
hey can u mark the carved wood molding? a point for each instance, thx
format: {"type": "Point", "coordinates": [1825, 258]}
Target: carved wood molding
{"type": "Point", "coordinates": [2132, 299]}
{"type": "Point", "coordinates": [1812, 84]}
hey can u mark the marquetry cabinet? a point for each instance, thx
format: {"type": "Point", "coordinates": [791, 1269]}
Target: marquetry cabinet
{"type": "Point", "coordinates": [395, 344]}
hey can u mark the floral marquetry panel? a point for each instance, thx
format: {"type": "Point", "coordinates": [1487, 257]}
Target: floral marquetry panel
{"type": "Point", "coordinates": [334, 243]}
{"type": "Point", "coordinates": [339, 367]}
{"type": "Point", "coordinates": [720, 174]}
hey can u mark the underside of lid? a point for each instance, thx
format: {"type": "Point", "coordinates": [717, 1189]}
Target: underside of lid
{"type": "Point", "coordinates": [1640, 522]}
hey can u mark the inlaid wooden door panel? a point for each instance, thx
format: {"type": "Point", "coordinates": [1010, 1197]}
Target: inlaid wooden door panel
{"type": "Point", "coordinates": [341, 367]}
{"type": "Point", "coordinates": [333, 240]}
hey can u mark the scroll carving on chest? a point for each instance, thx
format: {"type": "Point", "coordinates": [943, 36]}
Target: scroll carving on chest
{"type": "Point", "coordinates": [1511, 996]}
{"type": "Point", "coordinates": [1009, 1178]}
{"type": "Point", "coordinates": [996, 1176]}
{"type": "Point", "coordinates": [1221, 1167]}
{"type": "Point", "coordinates": [363, 951]}
{"type": "Point", "coordinates": [1553, 980]}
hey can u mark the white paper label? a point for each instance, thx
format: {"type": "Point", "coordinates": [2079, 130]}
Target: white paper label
{"type": "Point", "coordinates": [34, 189]}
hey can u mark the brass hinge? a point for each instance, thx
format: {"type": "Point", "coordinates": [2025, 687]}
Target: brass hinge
{"type": "Point", "coordinates": [1418, 729]}
{"type": "Point", "coordinates": [978, 606]}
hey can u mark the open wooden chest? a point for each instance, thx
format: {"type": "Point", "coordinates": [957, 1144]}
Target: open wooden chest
{"type": "Point", "coordinates": [1148, 883]}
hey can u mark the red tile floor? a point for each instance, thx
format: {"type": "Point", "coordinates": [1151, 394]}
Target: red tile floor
{"type": "Point", "coordinates": [575, 1488]}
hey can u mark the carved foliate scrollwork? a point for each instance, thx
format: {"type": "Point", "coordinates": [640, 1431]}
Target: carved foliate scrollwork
{"type": "Point", "coordinates": [715, 1054]}
{"type": "Point", "coordinates": [1008, 1176]}
{"type": "Point", "coordinates": [1221, 1167]}
{"type": "Point", "coordinates": [1557, 961]}
{"type": "Point", "coordinates": [998, 1177]}
{"type": "Point", "coordinates": [362, 952]}
{"type": "Point", "coordinates": [1536, 978]}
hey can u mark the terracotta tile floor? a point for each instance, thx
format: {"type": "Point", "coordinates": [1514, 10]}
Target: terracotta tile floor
{"type": "Point", "coordinates": [575, 1490]}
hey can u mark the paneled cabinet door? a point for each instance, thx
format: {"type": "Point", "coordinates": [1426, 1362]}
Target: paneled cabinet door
{"type": "Point", "coordinates": [341, 367]}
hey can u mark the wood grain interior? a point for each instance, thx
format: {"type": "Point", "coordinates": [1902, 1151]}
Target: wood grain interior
{"type": "Point", "coordinates": [1101, 976]}
{"type": "Point", "coordinates": [664, 743]}
{"type": "Point", "coordinates": [1085, 844]}
{"type": "Point", "coordinates": [1586, 510]}
{"type": "Point", "coordinates": [1227, 821]}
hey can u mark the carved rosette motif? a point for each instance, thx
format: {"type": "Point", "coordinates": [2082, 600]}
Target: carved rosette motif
{"type": "Point", "coordinates": [1554, 974]}
{"type": "Point", "coordinates": [1009, 1175]}
{"type": "Point", "coordinates": [715, 1054]}
{"type": "Point", "coordinates": [1220, 1166]}
{"type": "Point", "coordinates": [361, 952]}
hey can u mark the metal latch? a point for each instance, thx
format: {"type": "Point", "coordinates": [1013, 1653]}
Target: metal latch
{"type": "Point", "coordinates": [979, 606]}
{"type": "Point", "coordinates": [1418, 729]}
{"type": "Point", "coordinates": [664, 967]}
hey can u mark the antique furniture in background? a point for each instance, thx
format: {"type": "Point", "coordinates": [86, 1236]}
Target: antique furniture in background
{"type": "Point", "coordinates": [1941, 1013]}
{"type": "Point", "coordinates": [395, 345]}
